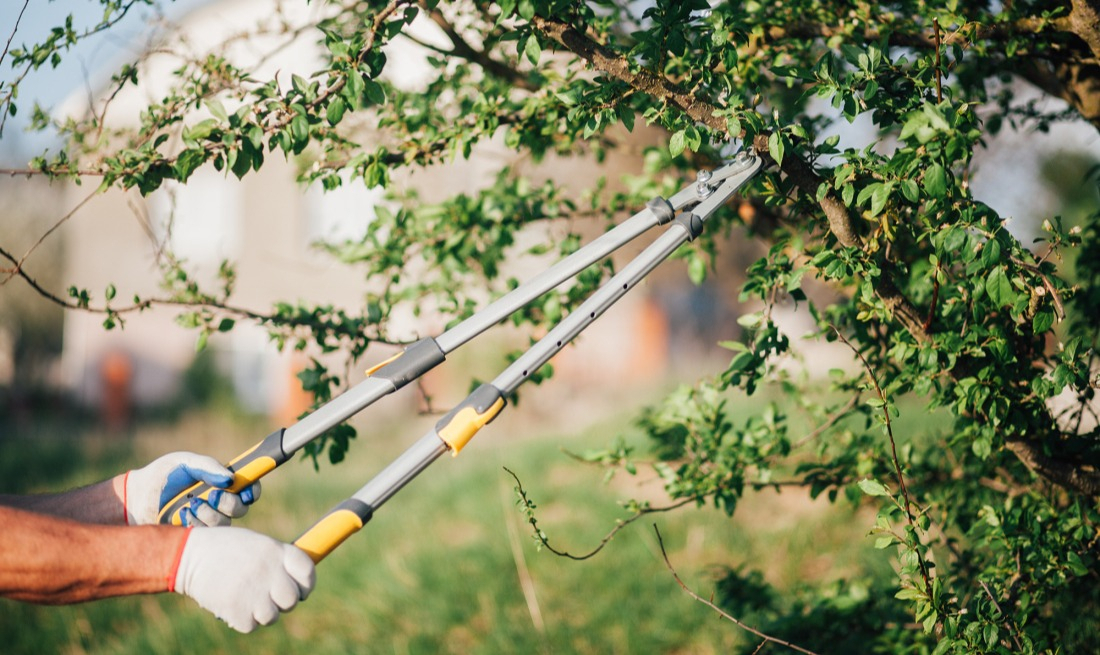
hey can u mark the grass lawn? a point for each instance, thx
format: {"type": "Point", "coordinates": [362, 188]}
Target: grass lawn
{"type": "Point", "coordinates": [449, 564]}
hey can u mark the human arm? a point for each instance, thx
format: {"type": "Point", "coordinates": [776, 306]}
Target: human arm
{"type": "Point", "coordinates": [135, 497]}
{"type": "Point", "coordinates": [52, 560]}
{"type": "Point", "coordinates": [100, 503]}
{"type": "Point", "coordinates": [242, 577]}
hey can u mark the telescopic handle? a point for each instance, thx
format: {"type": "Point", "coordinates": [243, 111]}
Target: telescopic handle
{"type": "Point", "coordinates": [279, 446]}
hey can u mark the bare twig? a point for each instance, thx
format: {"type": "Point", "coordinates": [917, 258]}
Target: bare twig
{"type": "Point", "coordinates": [14, 29]}
{"type": "Point", "coordinates": [53, 228]}
{"type": "Point", "coordinates": [526, 582]}
{"type": "Point", "coordinates": [766, 637]}
{"type": "Point", "coordinates": [606, 539]}
{"type": "Point", "coordinates": [461, 48]}
{"type": "Point", "coordinates": [830, 422]}
{"type": "Point", "coordinates": [893, 453]}
{"type": "Point", "coordinates": [939, 71]}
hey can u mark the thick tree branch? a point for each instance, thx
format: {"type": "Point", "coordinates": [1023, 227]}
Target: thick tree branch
{"type": "Point", "coordinates": [461, 48]}
{"type": "Point", "coordinates": [1070, 475]}
{"type": "Point", "coordinates": [1084, 21]}
{"type": "Point", "coordinates": [842, 224]}
{"type": "Point", "coordinates": [801, 174]}
{"type": "Point", "coordinates": [1068, 71]}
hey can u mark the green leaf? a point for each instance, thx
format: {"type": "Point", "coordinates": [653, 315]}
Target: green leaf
{"type": "Point", "coordinates": [991, 253]}
{"type": "Point", "coordinates": [999, 288]}
{"type": "Point", "coordinates": [677, 143]}
{"type": "Point", "coordinates": [750, 320]}
{"type": "Point", "coordinates": [200, 131]}
{"type": "Point", "coordinates": [873, 487]}
{"type": "Point", "coordinates": [1042, 321]}
{"type": "Point", "coordinates": [626, 115]}
{"type": "Point", "coordinates": [910, 190]}
{"type": "Point", "coordinates": [776, 147]}
{"type": "Point", "coordinates": [375, 93]}
{"type": "Point", "coordinates": [187, 161]}
{"type": "Point", "coordinates": [568, 98]}
{"type": "Point", "coordinates": [935, 181]}
{"type": "Point", "coordinates": [954, 240]}
{"type": "Point", "coordinates": [880, 196]}
{"type": "Point", "coordinates": [335, 111]}
{"type": "Point", "coordinates": [910, 594]}
{"type": "Point", "coordinates": [533, 51]}
{"type": "Point", "coordinates": [1073, 560]}
{"type": "Point", "coordinates": [741, 361]}
{"type": "Point", "coordinates": [353, 90]}
{"type": "Point", "coordinates": [217, 110]}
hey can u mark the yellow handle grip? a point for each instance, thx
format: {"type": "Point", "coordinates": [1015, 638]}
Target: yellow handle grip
{"type": "Point", "coordinates": [344, 520]}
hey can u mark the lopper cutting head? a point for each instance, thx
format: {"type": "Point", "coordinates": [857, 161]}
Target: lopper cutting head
{"type": "Point", "coordinates": [713, 189]}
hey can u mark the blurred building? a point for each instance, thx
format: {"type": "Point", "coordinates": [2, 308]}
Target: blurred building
{"type": "Point", "coordinates": [266, 224]}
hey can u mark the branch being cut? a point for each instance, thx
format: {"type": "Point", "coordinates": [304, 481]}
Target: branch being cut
{"type": "Point", "coordinates": [841, 222]}
{"type": "Point", "coordinates": [800, 173]}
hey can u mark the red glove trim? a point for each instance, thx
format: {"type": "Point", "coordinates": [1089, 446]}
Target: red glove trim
{"type": "Point", "coordinates": [125, 511]}
{"type": "Point", "coordinates": [170, 579]}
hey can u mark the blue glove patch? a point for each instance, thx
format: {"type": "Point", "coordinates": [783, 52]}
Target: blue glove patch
{"type": "Point", "coordinates": [183, 476]}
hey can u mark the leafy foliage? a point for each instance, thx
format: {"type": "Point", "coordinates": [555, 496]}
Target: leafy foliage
{"type": "Point", "coordinates": [991, 522]}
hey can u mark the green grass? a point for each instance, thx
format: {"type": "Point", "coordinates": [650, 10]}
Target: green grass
{"type": "Point", "coordinates": [438, 570]}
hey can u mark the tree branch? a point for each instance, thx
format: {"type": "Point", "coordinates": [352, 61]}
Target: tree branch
{"type": "Point", "coordinates": [767, 638]}
{"type": "Point", "coordinates": [800, 173]}
{"type": "Point", "coordinates": [1065, 474]}
{"type": "Point", "coordinates": [462, 48]}
{"type": "Point", "coordinates": [529, 507]}
{"type": "Point", "coordinates": [842, 223]}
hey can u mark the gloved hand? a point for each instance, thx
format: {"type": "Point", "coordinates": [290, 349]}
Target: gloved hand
{"type": "Point", "coordinates": [150, 488]}
{"type": "Point", "coordinates": [244, 578]}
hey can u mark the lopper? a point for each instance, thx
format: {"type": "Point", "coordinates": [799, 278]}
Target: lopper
{"type": "Point", "coordinates": [684, 215]}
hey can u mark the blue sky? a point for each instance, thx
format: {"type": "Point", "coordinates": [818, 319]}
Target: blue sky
{"type": "Point", "coordinates": [89, 63]}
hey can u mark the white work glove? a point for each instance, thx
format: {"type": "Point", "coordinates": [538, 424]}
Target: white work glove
{"type": "Point", "coordinates": [150, 488]}
{"type": "Point", "coordinates": [244, 578]}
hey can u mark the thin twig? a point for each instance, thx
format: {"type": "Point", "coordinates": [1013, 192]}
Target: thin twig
{"type": "Point", "coordinates": [607, 538]}
{"type": "Point", "coordinates": [14, 29]}
{"type": "Point", "coordinates": [893, 453]}
{"type": "Point", "coordinates": [723, 613]}
{"type": "Point", "coordinates": [526, 582]}
{"type": "Point", "coordinates": [53, 228]}
{"type": "Point", "coordinates": [938, 43]}
{"type": "Point", "coordinates": [1000, 611]}
{"type": "Point", "coordinates": [1047, 284]}
{"type": "Point", "coordinates": [830, 422]}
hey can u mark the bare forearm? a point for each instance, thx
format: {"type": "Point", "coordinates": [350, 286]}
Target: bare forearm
{"type": "Point", "coordinates": [45, 559]}
{"type": "Point", "coordinates": [101, 503]}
